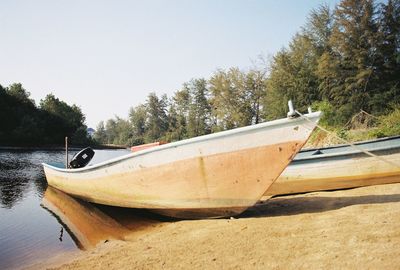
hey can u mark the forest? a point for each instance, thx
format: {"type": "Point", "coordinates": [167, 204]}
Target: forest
{"type": "Point", "coordinates": [343, 61]}
{"type": "Point", "coordinates": [23, 123]}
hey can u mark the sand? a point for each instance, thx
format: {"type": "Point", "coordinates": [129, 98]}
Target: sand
{"type": "Point", "coordinates": [357, 228]}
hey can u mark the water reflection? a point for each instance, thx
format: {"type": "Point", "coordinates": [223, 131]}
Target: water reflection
{"type": "Point", "coordinates": [86, 223]}
{"type": "Point", "coordinates": [90, 224]}
{"type": "Point", "coordinates": [20, 172]}
{"type": "Point", "coordinates": [28, 232]}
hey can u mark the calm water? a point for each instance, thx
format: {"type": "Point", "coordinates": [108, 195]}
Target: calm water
{"type": "Point", "coordinates": [35, 223]}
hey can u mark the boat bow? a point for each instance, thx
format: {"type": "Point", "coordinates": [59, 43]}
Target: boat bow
{"type": "Point", "coordinates": [215, 175]}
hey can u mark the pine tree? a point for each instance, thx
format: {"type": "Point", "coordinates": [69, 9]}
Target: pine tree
{"type": "Point", "coordinates": [100, 134]}
{"type": "Point", "coordinates": [354, 46]}
{"type": "Point", "coordinates": [181, 102]}
{"type": "Point", "coordinates": [137, 118]}
{"type": "Point", "coordinates": [199, 109]}
{"type": "Point", "coordinates": [255, 84]}
{"type": "Point", "coordinates": [157, 122]}
{"type": "Point", "coordinates": [387, 89]}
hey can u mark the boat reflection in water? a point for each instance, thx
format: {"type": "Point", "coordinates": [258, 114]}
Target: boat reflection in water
{"type": "Point", "coordinates": [90, 224]}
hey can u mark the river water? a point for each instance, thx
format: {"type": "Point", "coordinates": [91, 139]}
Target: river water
{"type": "Point", "coordinates": [37, 222]}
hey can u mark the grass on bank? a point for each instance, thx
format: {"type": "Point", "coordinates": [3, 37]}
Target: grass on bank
{"type": "Point", "coordinates": [362, 126]}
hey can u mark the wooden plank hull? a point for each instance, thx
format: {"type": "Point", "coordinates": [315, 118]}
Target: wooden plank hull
{"type": "Point", "coordinates": [338, 172]}
{"type": "Point", "coordinates": [209, 176]}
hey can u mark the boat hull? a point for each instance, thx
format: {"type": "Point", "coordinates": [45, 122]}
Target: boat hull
{"type": "Point", "coordinates": [211, 176]}
{"type": "Point", "coordinates": [339, 172]}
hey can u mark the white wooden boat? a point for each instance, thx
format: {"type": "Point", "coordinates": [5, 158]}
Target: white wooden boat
{"type": "Point", "coordinates": [215, 175]}
{"type": "Point", "coordinates": [340, 167]}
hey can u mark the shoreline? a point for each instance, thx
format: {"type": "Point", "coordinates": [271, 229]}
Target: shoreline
{"type": "Point", "coordinates": [355, 228]}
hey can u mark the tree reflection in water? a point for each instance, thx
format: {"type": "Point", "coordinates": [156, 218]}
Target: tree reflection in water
{"type": "Point", "coordinates": [29, 233]}
{"type": "Point", "coordinates": [21, 172]}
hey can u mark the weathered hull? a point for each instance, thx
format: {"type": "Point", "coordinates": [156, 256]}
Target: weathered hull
{"type": "Point", "coordinates": [210, 176]}
{"type": "Point", "coordinates": [339, 172]}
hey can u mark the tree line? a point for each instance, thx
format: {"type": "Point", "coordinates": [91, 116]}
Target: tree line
{"type": "Point", "coordinates": [23, 123]}
{"type": "Point", "coordinates": [227, 100]}
{"type": "Point", "coordinates": [344, 60]}
{"type": "Point", "coordinates": [348, 56]}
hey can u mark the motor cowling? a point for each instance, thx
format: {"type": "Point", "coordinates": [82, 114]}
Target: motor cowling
{"type": "Point", "coordinates": [82, 158]}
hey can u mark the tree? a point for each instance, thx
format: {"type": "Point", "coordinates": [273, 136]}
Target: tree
{"type": "Point", "coordinates": [199, 108]}
{"type": "Point", "coordinates": [256, 87]}
{"type": "Point", "coordinates": [72, 115]}
{"type": "Point", "coordinates": [231, 99]}
{"type": "Point", "coordinates": [354, 46]}
{"type": "Point", "coordinates": [181, 105]}
{"type": "Point", "coordinates": [111, 131]}
{"type": "Point", "coordinates": [319, 28]}
{"type": "Point", "coordinates": [293, 77]}
{"type": "Point", "coordinates": [23, 123]}
{"type": "Point", "coordinates": [20, 123]}
{"type": "Point", "coordinates": [18, 92]}
{"type": "Point", "coordinates": [157, 122]}
{"type": "Point", "coordinates": [387, 90]}
{"type": "Point", "coordinates": [81, 137]}
{"type": "Point", "coordinates": [138, 118]}
{"type": "Point", "coordinates": [174, 132]}
{"type": "Point", "coordinates": [100, 135]}
{"type": "Point", "coordinates": [124, 132]}
{"type": "Point", "coordinates": [301, 72]}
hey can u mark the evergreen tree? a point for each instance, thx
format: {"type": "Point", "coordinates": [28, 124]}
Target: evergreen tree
{"type": "Point", "coordinates": [124, 132]}
{"type": "Point", "coordinates": [100, 134]}
{"type": "Point", "coordinates": [300, 72]}
{"type": "Point", "coordinates": [255, 85]}
{"type": "Point", "coordinates": [138, 117]}
{"type": "Point", "coordinates": [111, 131]}
{"type": "Point", "coordinates": [293, 77]}
{"type": "Point", "coordinates": [181, 102]}
{"type": "Point", "coordinates": [354, 45]}
{"type": "Point", "coordinates": [387, 89]}
{"type": "Point", "coordinates": [199, 109]}
{"type": "Point", "coordinates": [157, 122]}
{"type": "Point", "coordinates": [319, 27]}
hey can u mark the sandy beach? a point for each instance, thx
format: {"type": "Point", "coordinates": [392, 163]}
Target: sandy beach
{"type": "Point", "coordinates": [347, 229]}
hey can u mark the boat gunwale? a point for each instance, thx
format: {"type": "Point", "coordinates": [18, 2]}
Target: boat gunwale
{"type": "Point", "coordinates": [348, 153]}
{"type": "Point", "coordinates": [348, 145]}
{"type": "Point", "coordinates": [202, 138]}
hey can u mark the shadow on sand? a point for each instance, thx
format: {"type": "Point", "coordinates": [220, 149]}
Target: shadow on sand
{"type": "Point", "coordinates": [282, 206]}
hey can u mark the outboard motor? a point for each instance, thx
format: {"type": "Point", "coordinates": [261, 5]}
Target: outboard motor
{"type": "Point", "coordinates": [82, 158]}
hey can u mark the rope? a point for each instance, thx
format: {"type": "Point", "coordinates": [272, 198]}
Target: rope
{"type": "Point", "coordinates": [369, 114]}
{"type": "Point", "coordinates": [349, 143]}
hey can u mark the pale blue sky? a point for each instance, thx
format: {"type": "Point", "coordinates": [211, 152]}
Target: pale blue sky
{"type": "Point", "coordinates": [107, 56]}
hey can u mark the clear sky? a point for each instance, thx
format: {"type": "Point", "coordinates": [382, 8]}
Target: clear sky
{"type": "Point", "coordinates": [107, 56]}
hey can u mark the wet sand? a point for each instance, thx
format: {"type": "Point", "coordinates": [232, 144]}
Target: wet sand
{"type": "Point", "coordinates": [355, 228]}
